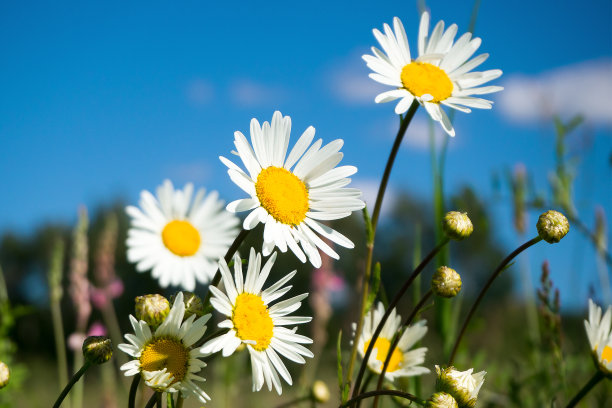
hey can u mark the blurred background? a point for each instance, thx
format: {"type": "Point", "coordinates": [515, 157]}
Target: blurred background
{"type": "Point", "coordinates": [102, 100]}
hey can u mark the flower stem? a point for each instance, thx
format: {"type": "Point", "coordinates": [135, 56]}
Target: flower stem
{"type": "Point", "coordinates": [179, 401]}
{"type": "Point", "coordinates": [370, 394]}
{"type": "Point", "coordinates": [486, 287]}
{"type": "Point", "coordinates": [587, 387]}
{"type": "Point", "coordinates": [133, 390]}
{"type": "Point", "coordinates": [374, 222]}
{"type": "Point", "coordinates": [153, 400]}
{"type": "Point", "coordinates": [396, 340]}
{"type": "Point", "coordinates": [393, 303]}
{"type": "Point", "coordinates": [75, 378]}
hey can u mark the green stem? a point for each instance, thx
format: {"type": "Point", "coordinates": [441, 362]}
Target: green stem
{"type": "Point", "coordinates": [374, 222]}
{"type": "Point", "coordinates": [133, 390]}
{"type": "Point", "coordinates": [494, 275]}
{"type": "Point", "coordinates": [153, 400]}
{"type": "Point", "coordinates": [75, 378]}
{"type": "Point", "coordinates": [385, 316]}
{"type": "Point", "coordinates": [587, 387]}
{"type": "Point", "coordinates": [294, 401]}
{"type": "Point", "coordinates": [371, 394]}
{"type": "Point", "coordinates": [179, 401]}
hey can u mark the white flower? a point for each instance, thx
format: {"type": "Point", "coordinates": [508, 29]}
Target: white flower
{"type": "Point", "coordinates": [178, 239]}
{"type": "Point", "coordinates": [165, 358]}
{"type": "Point", "coordinates": [599, 332]}
{"type": "Point", "coordinates": [253, 321]}
{"type": "Point", "coordinates": [462, 385]}
{"type": "Point", "coordinates": [291, 194]}
{"type": "Point", "coordinates": [441, 75]}
{"type": "Point", "coordinates": [404, 362]}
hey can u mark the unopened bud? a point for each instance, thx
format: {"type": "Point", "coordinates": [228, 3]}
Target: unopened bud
{"type": "Point", "coordinates": [153, 309]}
{"type": "Point", "coordinates": [457, 225]}
{"type": "Point", "coordinates": [320, 392]}
{"type": "Point", "coordinates": [5, 375]}
{"type": "Point", "coordinates": [552, 226]}
{"type": "Point", "coordinates": [463, 386]}
{"type": "Point", "coordinates": [441, 400]}
{"type": "Point", "coordinates": [446, 282]}
{"type": "Point", "coordinates": [193, 304]}
{"type": "Point", "coordinates": [97, 349]}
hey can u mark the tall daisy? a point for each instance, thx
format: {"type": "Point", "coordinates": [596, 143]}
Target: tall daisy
{"type": "Point", "coordinates": [599, 332]}
{"type": "Point", "coordinates": [404, 362]}
{"type": "Point", "coordinates": [440, 75]}
{"type": "Point", "coordinates": [179, 237]}
{"type": "Point", "coordinates": [292, 194]}
{"type": "Point", "coordinates": [252, 320]}
{"type": "Point", "coordinates": [165, 358]}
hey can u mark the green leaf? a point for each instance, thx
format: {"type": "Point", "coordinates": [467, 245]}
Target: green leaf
{"type": "Point", "coordinates": [339, 357]}
{"type": "Point", "coordinates": [375, 286]}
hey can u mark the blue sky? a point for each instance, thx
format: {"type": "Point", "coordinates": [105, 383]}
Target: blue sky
{"type": "Point", "coordinates": [104, 100]}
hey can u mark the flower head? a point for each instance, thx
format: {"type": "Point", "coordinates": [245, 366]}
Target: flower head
{"type": "Point", "coordinates": [441, 75]}
{"type": "Point", "coordinates": [462, 385]}
{"type": "Point", "coordinates": [165, 357]}
{"type": "Point", "coordinates": [292, 194]}
{"type": "Point", "coordinates": [5, 375]}
{"type": "Point", "coordinates": [404, 362]}
{"type": "Point", "coordinates": [441, 400]}
{"type": "Point", "coordinates": [97, 349]}
{"type": "Point", "coordinates": [457, 225]}
{"type": "Point", "coordinates": [552, 226]}
{"type": "Point", "coordinates": [153, 309]}
{"type": "Point", "coordinates": [599, 332]}
{"type": "Point", "coordinates": [179, 237]}
{"type": "Point", "coordinates": [254, 321]}
{"type": "Point", "coordinates": [446, 282]}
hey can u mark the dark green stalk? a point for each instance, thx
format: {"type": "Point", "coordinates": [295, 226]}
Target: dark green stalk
{"type": "Point", "coordinates": [374, 222]}
{"type": "Point", "coordinates": [371, 394]}
{"type": "Point", "coordinates": [75, 378]}
{"type": "Point", "coordinates": [153, 400]}
{"type": "Point", "coordinates": [133, 390]}
{"type": "Point", "coordinates": [494, 275]}
{"type": "Point", "coordinates": [393, 303]}
{"type": "Point", "coordinates": [587, 387]}
{"type": "Point", "coordinates": [294, 401]}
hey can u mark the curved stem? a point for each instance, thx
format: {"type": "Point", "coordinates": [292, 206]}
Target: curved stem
{"type": "Point", "coordinates": [294, 401]}
{"type": "Point", "coordinates": [133, 390]}
{"type": "Point", "coordinates": [75, 378]}
{"type": "Point", "coordinates": [393, 303]}
{"type": "Point", "coordinates": [374, 222]}
{"type": "Point", "coordinates": [370, 394]}
{"type": "Point", "coordinates": [228, 256]}
{"type": "Point", "coordinates": [494, 275]}
{"type": "Point", "coordinates": [587, 387]}
{"type": "Point", "coordinates": [407, 322]}
{"type": "Point", "coordinates": [153, 400]}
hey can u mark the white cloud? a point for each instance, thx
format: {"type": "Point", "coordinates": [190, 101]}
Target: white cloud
{"type": "Point", "coordinates": [248, 93]}
{"type": "Point", "coordinates": [369, 189]}
{"type": "Point", "coordinates": [199, 92]}
{"type": "Point", "coordinates": [584, 88]}
{"type": "Point", "coordinates": [349, 82]}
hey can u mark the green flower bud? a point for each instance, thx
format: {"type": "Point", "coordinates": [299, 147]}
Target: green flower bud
{"type": "Point", "coordinates": [462, 385]}
{"type": "Point", "coordinates": [193, 304]}
{"type": "Point", "coordinates": [97, 349]}
{"type": "Point", "coordinates": [5, 375]}
{"type": "Point", "coordinates": [441, 400]}
{"type": "Point", "coordinates": [446, 282]}
{"type": "Point", "coordinates": [552, 226]}
{"type": "Point", "coordinates": [320, 392]}
{"type": "Point", "coordinates": [457, 225]}
{"type": "Point", "coordinates": [153, 309]}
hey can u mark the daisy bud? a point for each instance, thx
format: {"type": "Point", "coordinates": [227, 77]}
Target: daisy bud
{"type": "Point", "coordinates": [463, 386]}
{"type": "Point", "coordinates": [552, 226]}
{"type": "Point", "coordinates": [153, 309]}
{"type": "Point", "coordinates": [441, 400]}
{"type": "Point", "coordinates": [457, 225]}
{"type": "Point", "coordinates": [446, 282]}
{"type": "Point", "coordinates": [97, 349]}
{"type": "Point", "coordinates": [320, 392]}
{"type": "Point", "coordinates": [193, 304]}
{"type": "Point", "coordinates": [5, 375]}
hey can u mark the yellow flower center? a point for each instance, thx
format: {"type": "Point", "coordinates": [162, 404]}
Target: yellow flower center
{"type": "Point", "coordinates": [382, 345]}
{"type": "Point", "coordinates": [421, 78]}
{"type": "Point", "coordinates": [181, 238]}
{"type": "Point", "coordinates": [252, 320]}
{"type": "Point", "coordinates": [282, 194]}
{"type": "Point", "coordinates": [606, 355]}
{"type": "Point", "coordinates": [165, 353]}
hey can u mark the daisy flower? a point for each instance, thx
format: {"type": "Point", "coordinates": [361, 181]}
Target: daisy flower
{"type": "Point", "coordinates": [165, 358]}
{"type": "Point", "coordinates": [291, 194]}
{"type": "Point", "coordinates": [599, 332]}
{"type": "Point", "coordinates": [441, 75]}
{"type": "Point", "coordinates": [252, 320]}
{"type": "Point", "coordinates": [177, 238]}
{"type": "Point", "coordinates": [404, 362]}
{"type": "Point", "coordinates": [462, 385]}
